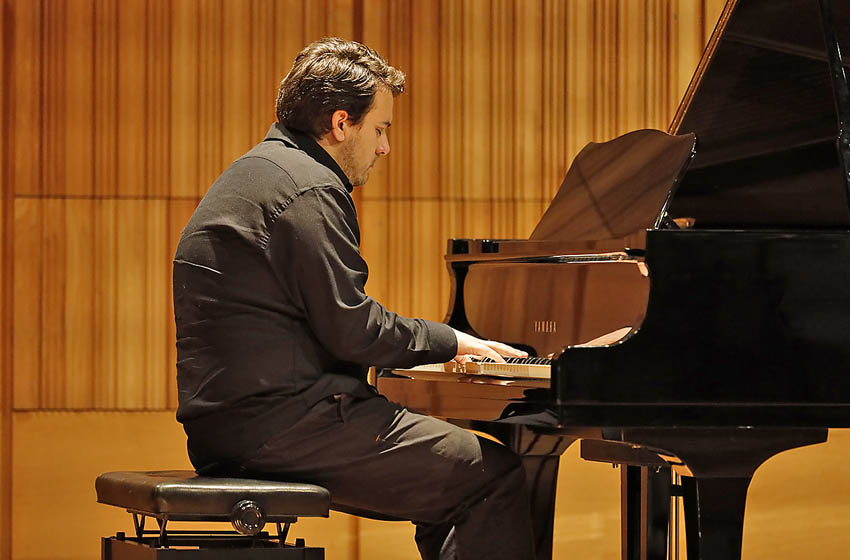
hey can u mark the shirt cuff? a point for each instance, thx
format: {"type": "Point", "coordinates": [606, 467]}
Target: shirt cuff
{"type": "Point", "coordinates": [442, 341]}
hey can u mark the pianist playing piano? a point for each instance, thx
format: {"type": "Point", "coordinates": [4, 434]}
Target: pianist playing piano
{"type": "Point", "coordinates": [275, 332]}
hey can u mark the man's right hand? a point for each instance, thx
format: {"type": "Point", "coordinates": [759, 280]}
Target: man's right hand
{"type": "Point", "coordinates": [468, 346]}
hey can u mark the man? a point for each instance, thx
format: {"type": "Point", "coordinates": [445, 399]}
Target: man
{"type": "Point", "coordinates": [275, 331]}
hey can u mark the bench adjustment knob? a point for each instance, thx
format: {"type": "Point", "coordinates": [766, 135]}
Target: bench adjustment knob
{"type": "Point", "coordinates": [247, 517]}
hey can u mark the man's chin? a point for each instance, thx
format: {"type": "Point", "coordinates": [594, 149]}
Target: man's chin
{"type": "Point", "coordinates": [360, 181]}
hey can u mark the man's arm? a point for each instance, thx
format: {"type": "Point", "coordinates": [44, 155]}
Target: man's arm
{"type": "Point", "coordinates": [314, 251]}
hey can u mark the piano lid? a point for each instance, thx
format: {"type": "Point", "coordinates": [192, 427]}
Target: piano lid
{"type": "Point", "coordinates": [762, 106]}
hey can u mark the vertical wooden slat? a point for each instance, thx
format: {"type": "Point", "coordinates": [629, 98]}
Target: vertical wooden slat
{"type": "Point", "coordinates": [237, 135]}
{"type": "Point", "coordinates": [451, 84]}
{"type": "Point", "coordinates": [290, 35]}
{"type": "Point", "coordinates": [53, 70]}
{"type": "Point", "coordinates": [651, 59]}
{"type": "Point", "coordinates": [79, 303]}
{"type": "Point", "coordinates": [105, 280]}
{"type": "Point", "coordinates": [315, 23]}
{"type": "Point", "coordinates": [27, 92]}
{"type": "Point", "coordinates": [476, 179]}
{"type": "Point", "coordinates": [158, 95]}
{"type": "Point", "coordinates": [105, 98]}
{"type": "Point", "coordinates": [75, 97]}
{"type": "Point", "coordinates": [132, 103]}
{"type": "Point", "coordinates": [449, 228]}
{"type": "Point", "coordinates": [580, 107]}
{"type": "Point", "coordinates": [340, 18]}
{"type": "Point", "coordinates": [686, 42]}
{"type": "Point", "coordinates": [6, 275]}
{"type": "Point", "coordinates": [210, 92]}
{"type": "Point", "coordinates": [131, 249]}
{"type": "Point", "coordinates": [399, 52]}
{"type": "Point", "coordinates": [631, 80]}
{"type": "Point", "coordinates": [53, 296]}
{"type": "Point", "coordinates": [186, 141]}
{"type": "Point", "coordinates": [501, 88]}
{"type": "Point", "coordinates": [423, 97]}
{"type": "Point", "coordinates": [266, 75]}
{"type": "Point", "coordinates": [528, 69]}
{"type": "Point", "coordinates": [555, 117]}
{"type": "Point", "coordinates": [400, 220]}
{"type": "Point", "coordinates": [27, 303]}
{"type": "Point", "coordinates": [157, 263]}
{"type": "Point", "coordinates": [428, 248]}
{"type": "Point", "coordinates": [374, 247]}
{"type": "Point", "coordinates": [605, 64]}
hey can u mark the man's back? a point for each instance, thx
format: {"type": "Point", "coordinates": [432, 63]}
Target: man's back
{"type": "Point", "coordinates": [243, 341]}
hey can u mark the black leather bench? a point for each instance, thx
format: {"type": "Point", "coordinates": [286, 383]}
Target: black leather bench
{"type": "Point", "coordinates": [184, 496]}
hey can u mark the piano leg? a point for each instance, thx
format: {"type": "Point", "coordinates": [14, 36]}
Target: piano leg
{"type": "Point", "coordinates": [721, 462]}
{"type": "Point", "coordinates": [645, 511]}
{"type": "Point", "coordinates": [542, 475]}
{"type": "Point", "coordinates": [714, 516]}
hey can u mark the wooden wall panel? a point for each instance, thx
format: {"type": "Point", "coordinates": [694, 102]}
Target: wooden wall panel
{"type": "Point", "coordinates": [128, 112]}
{"type": "Point", "coordinates": [6, 273]}
{"type": "Point", "coordinates": [152, 98]}
{"type": "Point", "coordinates": [93, 318]}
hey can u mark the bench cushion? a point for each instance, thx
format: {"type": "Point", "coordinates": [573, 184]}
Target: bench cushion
{"type": "Point", "coordinates": [183, 495]}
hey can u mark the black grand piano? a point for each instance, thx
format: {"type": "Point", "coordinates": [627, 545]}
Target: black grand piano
{"type": "Point", "coordinates": [719, 254]}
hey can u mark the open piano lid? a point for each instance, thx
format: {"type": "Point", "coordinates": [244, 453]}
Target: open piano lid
{"type": "Point", "coordinates": [762, 106]}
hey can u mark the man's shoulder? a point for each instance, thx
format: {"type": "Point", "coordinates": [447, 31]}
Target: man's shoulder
{"type": "Point", "coordinates": [278, 159]}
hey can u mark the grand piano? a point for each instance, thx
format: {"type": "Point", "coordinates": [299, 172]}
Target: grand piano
{"type": "Point", "coordinates": [719, 254]}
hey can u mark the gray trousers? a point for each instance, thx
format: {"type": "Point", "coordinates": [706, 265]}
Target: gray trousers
{"type": "Point", "coordinates": [466, 495]}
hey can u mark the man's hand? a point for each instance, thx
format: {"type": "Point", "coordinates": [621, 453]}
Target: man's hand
{"type": "Point", "coordinates": [468, 345]}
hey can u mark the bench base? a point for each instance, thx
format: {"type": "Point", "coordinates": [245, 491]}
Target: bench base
{"type": "Point", "coordinates": [206, 547]}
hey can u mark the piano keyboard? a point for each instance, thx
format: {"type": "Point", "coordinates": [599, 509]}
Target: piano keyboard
{"type": "Point", "coordinates": [537, 368]}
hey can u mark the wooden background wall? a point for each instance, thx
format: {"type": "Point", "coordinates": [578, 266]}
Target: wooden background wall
{"type": "Point", "coordinates": [118, 114]}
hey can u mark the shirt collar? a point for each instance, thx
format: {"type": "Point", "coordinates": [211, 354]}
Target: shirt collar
{"type": "Point", "coordinates": [297, 139]}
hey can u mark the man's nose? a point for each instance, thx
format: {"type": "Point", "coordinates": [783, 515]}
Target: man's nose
{"type": "Point", "coordinates": [383, 146]}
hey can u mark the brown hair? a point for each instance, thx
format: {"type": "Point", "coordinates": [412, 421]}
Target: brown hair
{"type": "Point", "coordinates": [333, 74]}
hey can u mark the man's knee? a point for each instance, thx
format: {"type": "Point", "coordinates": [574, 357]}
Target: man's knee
{"type": "Point", "coordinates": [500, 458]}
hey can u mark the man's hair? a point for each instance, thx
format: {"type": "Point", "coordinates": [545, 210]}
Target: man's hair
{"type": "Point", "coordinates": [333, 74]}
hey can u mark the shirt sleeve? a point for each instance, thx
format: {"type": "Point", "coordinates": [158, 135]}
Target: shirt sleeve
{"type": "Point", "coordinates": [314, 250]}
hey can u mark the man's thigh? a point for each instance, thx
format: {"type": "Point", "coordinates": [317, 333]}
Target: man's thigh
{"type": "Point", "coordinates": [375, 455]}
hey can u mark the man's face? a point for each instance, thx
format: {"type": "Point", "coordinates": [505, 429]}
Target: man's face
{"type": "Point", "coordinates": [368, 140]}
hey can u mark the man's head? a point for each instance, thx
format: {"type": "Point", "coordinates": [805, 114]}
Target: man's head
{"type": "Point", "coordinates": [341, 93]}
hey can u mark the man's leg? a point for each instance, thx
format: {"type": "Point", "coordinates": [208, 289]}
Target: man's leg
{"type": "Point", "coordinates": [466, 494]}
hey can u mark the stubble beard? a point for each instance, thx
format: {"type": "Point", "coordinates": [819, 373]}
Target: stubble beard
{"type": "Point", "coordinates": [349, 165]}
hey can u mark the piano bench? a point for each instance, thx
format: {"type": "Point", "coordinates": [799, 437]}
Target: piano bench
{"type": "Point", "coordinates": [184, 496]}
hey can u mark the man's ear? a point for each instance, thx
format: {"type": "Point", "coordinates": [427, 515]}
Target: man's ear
{"type": "Point", "coordinates": [339, 124]}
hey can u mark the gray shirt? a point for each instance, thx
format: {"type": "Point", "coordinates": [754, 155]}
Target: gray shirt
{"type": "Point", "coordinates": [270, 303]}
